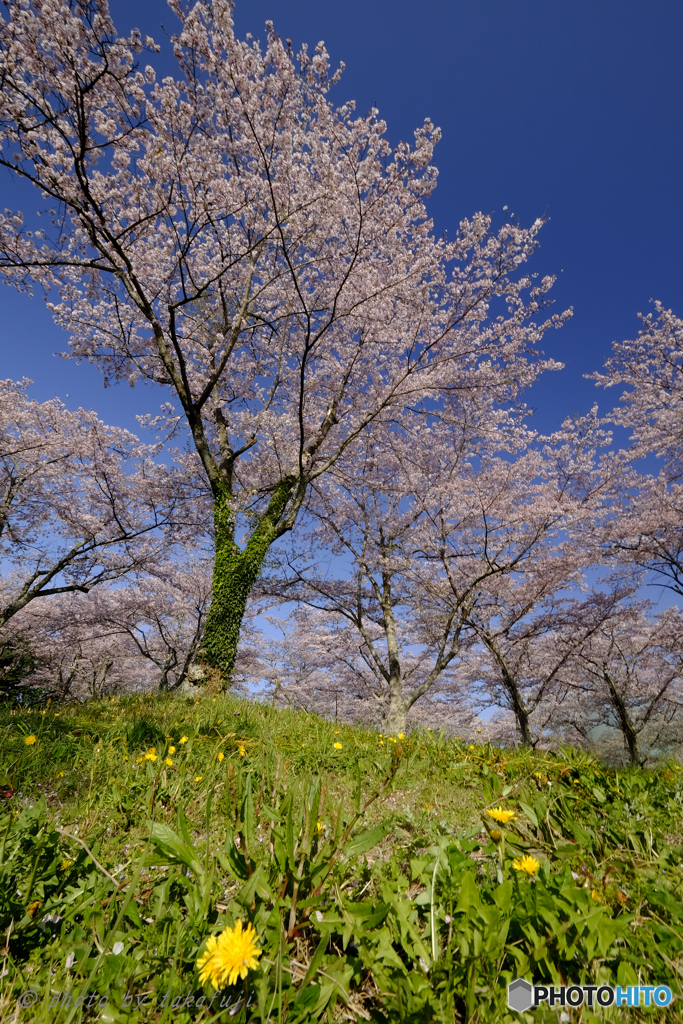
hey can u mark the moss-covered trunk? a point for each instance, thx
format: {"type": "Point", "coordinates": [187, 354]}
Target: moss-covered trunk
{"type": "Point", "coordinates": [235, 573]}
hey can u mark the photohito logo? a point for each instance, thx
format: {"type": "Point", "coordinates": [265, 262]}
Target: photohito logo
{"type": "Point", "coordinates": [522, 995]}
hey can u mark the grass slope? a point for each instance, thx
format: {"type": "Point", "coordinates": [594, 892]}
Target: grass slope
{"type": "Point", "coordinates": [378, 884]}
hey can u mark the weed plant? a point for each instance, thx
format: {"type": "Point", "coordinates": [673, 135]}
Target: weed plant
{"type": "Point", "coordinates": [386, 878]}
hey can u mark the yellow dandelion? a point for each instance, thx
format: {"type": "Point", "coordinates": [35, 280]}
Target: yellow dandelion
{"type": "Point", "coordinates": [538, 775]}
{"type": "Point", "coordinates": [479, 730]}
{"type": "Point", "coordinates": [527, 864]}
{"type": "Point", "coordinates": [221, 755]}
{"type": "Point", "coordinates": [32, 907]}
{"type": "Point", "coordinates": [400, 736]}
{"type": "Point", "coordinates": [381, 743]}
{"type": "Point", "coordinates": [391, 739]}
{"type": "Point", "coordinates": [171, 750]}
{"type": "Point", "coordinates": [496, 835]}
{"type": "Point", "coordinates": [150, 757]}
{"type": "Point", "coordinates": [336, 732]}
{"type": "Point", "coordinates": [139, 760]}
{"type": "Point", "coordinates": [501, 815]}
{"type": "Point", "coordinates": [125, 758]}
{"type": "Point", "coordinates": [337, 746]}
{"type": "Point", "coordinates": [241, 749]}
{"type": "Point", "coordinates": [152, 750]}
{"type": "Point", "coordinates": [213, 700]}
{"type": "Point", "coordinates": [198, 778]}
{"type": "Point", "coordinates": [303, 744]}
{"type": "Point", "coordinates": [30, 740]}
{"type": "Point", "coordinates": [183, 739]}
{"type": "Point", "coordinates": [60, 775]}
{"type": "Point", "coordinates": [169, 762]}
{"type": "Point", "coordinates": [320, 827]}
{"type": "Point", "coordinates": [471, 746]}
{"type": "Point", "coordinates": [66, 864]}
{"type": "Point", "coordinates": [229, 956]}
{"type": "Point", "coordinates": [595, 896]}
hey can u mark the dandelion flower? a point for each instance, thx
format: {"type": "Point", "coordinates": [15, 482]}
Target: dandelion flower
{"type": "Point", "coordinates": [152, 750]}
{"type": "Point", "coordinates": [241, 749]}
{"type": "Point", "coordinates": [33, 907]}
{"type": "Point", "coordinates": [30, 740]}
{"type": "Point", "coordinates": [320, 827]}
{"type": "Point", "coordinates": [183, 739]}
{"type": "Point", "coordinates": [400, 736]}
{"type": "Point", "coordinates": [229, 956]}
{"type": "Point", "coordinates": [150, 757]}
{"type": "Point", "coordinates": [501, 815]}
{"type": "Point", "coordinates": [527, 864]}
{"type": "Point", "coordinates": [496, 835]}
{"type": "Point", "coordinates": [337, 746]}
{"type": "Point", "coordinates": [595, 896]}
{"type": "Point", "coordinates": [60, 775]}
{"type": "Point", "coordinates": [66, 864]}
{"type": "Point", "coordinates": [336, 732]}
{"type": "Point", "coordinates": [169, 762]}
{"type": "Point", "coordinates": [471, 746]}
{"type": "Point", "coordinates": [221, 755]}
{"type": "Point", "coordinates": [381, 743]}
{"type": "Point", "coordinates": [479, 730]}
{"type": "Point", "coordinates": [198, 778]}
{"type": "Point", "coordinates": [171, 750]}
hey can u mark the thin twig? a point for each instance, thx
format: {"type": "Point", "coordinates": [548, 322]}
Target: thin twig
{"type": "Point", "coordinates": [92, 856]}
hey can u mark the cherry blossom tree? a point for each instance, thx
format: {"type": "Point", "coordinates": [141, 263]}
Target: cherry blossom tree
{"type": "Point", "coordinates": [647, 527]}
{"type": "Point", "coordinates": [159, 619]}
{"type": "Point", "coordinates": [651, 369]}
{"type": "Point", "coordinates": [530, 632]}
{"type": "Point", "coordinates": [267, 257]}
{"type": "Point", "coordinates": [629, 674]}
{"type": "Point", "coordinates": [81, 503]}
{"type": "Point", "coordinates": [138, 634]}
{"type": "Point", "coordinates": [433, 528]}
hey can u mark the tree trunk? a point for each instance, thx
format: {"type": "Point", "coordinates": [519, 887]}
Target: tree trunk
{"type": "Point", "coordinates": [234, 574]}
{"type": "Point", "coordinates": [625, 724]}
{"type": "Point", "coordinates": [521, 712]}
{"type": "Point", "coordinates": [518, 706]}
{"type": "Point", "coordinates": [396, 717]}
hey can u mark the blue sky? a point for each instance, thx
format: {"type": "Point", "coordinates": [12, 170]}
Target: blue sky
{"type": "Point", "coordinates": [569, 109]}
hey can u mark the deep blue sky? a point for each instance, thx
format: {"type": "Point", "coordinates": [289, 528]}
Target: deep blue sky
{"type": "Point", "coordinates": [569, 109]}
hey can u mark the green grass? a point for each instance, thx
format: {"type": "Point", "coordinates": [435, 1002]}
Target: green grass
{"type": "Point", "coordinates": [379, 887]}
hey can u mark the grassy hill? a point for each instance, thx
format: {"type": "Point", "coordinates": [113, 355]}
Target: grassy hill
{"type": "Point", "coordinates": [378, 884]}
